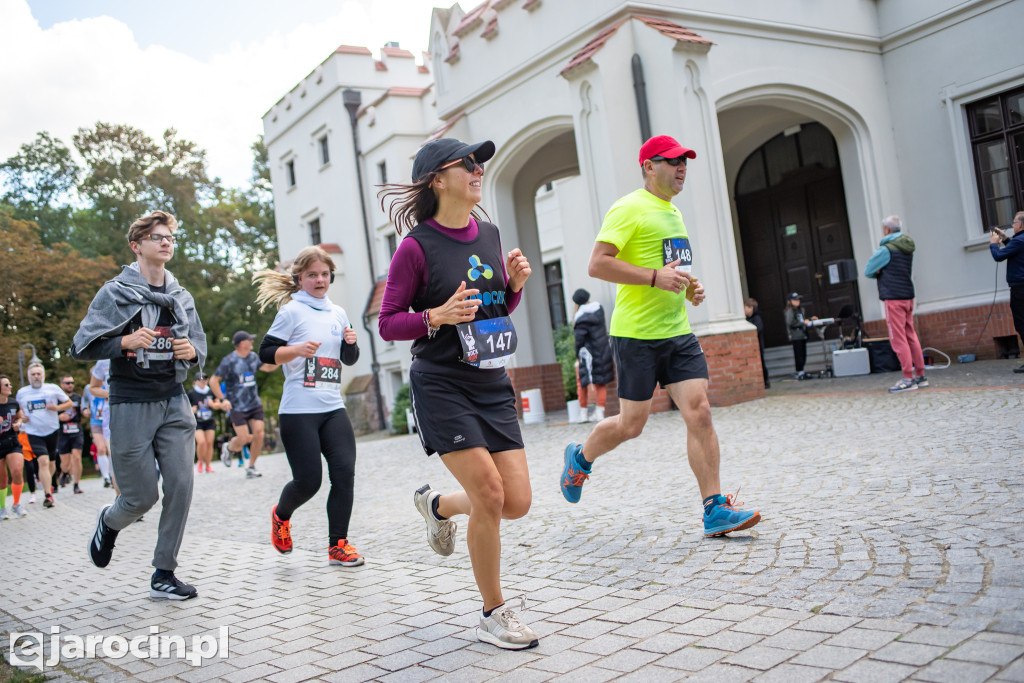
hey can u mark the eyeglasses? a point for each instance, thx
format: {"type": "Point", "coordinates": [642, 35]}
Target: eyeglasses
{"type": "Point", "coordinates": [467, 161]}
{"type": "Point", "coordinates": [671, 162]}
{"type": "Point", "coordinates": [153, 237]}
{"type": "Point", "coordinates": [68, 382]}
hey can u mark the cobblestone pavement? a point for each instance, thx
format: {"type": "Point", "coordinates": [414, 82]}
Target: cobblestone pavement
{"type": "Point", "coordinates": [891, 548]}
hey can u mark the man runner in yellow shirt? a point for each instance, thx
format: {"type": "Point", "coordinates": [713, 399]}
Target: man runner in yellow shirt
{"type": "Point", "coordinates": [643, 247]}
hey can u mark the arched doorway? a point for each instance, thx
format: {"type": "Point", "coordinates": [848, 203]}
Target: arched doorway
{"type": "Point", "coordinates": [793, 223]}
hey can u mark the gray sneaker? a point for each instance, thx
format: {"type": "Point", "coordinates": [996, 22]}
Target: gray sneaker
{"type": "Point", "coordinates": [440, 532]}
{"type": "Point", "coordinates": [225, 454]}
{"type": "Point", "coordinates": [903, 385]}
{"type": "Point", "coordinates": [251, 473]}
{"type": "Point", "coordinates": [921, 381]}
{"type": "Point", "coordinates": [4, 514]}
{"type": "Point", "coordinates": [18, 510]}
{"type": "Point", "coordinates": [504, 629]}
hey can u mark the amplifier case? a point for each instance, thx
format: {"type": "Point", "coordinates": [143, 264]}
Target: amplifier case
{"type": "Point", "coordinates": [851, 362]}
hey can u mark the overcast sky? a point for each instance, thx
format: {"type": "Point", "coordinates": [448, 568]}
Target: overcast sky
{"type": "Point", "coordinates": [209, 68]}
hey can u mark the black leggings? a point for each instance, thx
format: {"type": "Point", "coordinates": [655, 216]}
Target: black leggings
{"type": "Point", "coordinates": [305, 437]}
{"type": "Point", "coordinates": [799, 353]}
{"type": "Point", "coordinates": [31, 471]}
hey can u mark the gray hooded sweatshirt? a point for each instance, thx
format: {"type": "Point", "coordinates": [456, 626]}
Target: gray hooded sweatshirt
{"type": "Point", "coordinates": [120, 300]}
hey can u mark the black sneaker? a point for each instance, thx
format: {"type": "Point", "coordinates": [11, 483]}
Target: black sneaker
{"type": "Point", "coordinates": [1019, 370]}
{"type": "Point", "coordinates": [166, 586]}
{"type": "Point", "coordinates": [101, 546]}
{"type": "Point", "coordinates": [48, 501]}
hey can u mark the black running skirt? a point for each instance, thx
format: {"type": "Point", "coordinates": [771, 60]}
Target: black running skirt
{"type": "Point", "coordinates": [460, 407]}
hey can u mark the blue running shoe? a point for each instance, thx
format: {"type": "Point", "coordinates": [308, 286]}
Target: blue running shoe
{"type": "Point", "coordinates": [572, 476]}
{"type": "Point", "coordinates": [245, 453]}
{"type": "Point", "coordinates": [723, 516]}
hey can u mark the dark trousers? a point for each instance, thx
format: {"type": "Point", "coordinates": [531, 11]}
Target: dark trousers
{"type": "Point", "coordinates": [1017, 309]}
{"type": "Point", "coordinates": [800, 353]}
{"type": "Point", "coordinates": [305, 436]}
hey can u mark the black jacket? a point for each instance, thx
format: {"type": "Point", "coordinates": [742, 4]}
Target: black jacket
{"type": "Point", "coordinates": [592, 347]}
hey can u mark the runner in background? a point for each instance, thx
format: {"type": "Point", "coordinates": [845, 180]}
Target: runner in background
{"type": "Point", "coordinates": [203, 404]}
{"type": "Point", "coordinates": [11, 458]}
{"type": "Point", "coordinates": [69, 444]}
{"type": "Point", "coordinates": [40, 404]}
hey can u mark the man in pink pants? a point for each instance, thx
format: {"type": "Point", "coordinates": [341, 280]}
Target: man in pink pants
{"type": "Point", "coordinates": [891, 265]}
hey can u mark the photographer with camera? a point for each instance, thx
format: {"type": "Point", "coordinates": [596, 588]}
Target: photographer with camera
{"type": "Point", "coordinates": [1011, 249]}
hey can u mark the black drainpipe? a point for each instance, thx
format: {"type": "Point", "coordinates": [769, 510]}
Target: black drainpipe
{"type": "Point", "coordinates": [641, 99]}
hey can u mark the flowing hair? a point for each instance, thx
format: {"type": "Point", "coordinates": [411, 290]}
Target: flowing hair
{"type": "Point", "coordinates": [276, 288]}
{"type": "Point", "coordinates": [409, 205]}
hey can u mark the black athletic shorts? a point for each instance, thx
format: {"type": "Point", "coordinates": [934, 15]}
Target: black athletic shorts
{"type": "Point", "coordinates": [240, 418]}
{"type": "Point", "coordinates": [206, 425]}
{"type": "Point", "coordinates": [68, 442]}
{"type": "Point", "coordinates": [460, 407]}
{"type": "Point", "coordinates": [9, 445]}
{"type": "Point", "coordinates": [44, 445]}
{"type": "Point", "coordinates": [642, 364]}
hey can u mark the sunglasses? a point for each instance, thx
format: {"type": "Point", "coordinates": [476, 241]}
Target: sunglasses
{"type": "Point", "coordinates": [671, 162]}
{"type": "Point", "coordinates": [470, 164]}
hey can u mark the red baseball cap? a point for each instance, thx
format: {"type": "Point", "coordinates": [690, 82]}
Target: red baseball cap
{"type": "Point", "coordinates": [664, 146]}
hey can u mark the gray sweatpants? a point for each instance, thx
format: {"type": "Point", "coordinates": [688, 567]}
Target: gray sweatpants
{"type": "Point", "coordinates": [142, 435]}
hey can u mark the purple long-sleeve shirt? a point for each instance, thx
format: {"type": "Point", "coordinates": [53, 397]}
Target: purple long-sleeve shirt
{"type": "Point", "coordinates": [407, 279]}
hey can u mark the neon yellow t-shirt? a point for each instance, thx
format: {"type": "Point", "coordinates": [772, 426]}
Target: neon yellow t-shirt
{"type": "Point", "coordinates": [649, 232]}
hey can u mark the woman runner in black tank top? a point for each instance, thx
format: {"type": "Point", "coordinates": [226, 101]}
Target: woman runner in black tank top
{"type": "Point", "coordinates": [460, 287]}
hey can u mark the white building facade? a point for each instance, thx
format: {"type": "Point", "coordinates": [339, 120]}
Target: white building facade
{"type": "Point", "coordinates": [812, 121]}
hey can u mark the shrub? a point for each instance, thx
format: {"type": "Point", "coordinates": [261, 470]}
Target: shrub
{"type": "Point", "coordinates": [565, 354]}
{"type": "Point", "coordinates": [403, 402]}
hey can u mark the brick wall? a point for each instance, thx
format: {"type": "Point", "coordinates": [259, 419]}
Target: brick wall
{"type": "Point", "coordinates": [959, 331]}
{"type": "Point", "coordinates": [734, 364]}
{"type": "Point", "coordinates": [547, 378]}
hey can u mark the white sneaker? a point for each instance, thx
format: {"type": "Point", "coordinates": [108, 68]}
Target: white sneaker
{"type": "Point", "coordinates": [583, 416]}
{"type": "Point", "coordinates": [598, 414]}
{"type": "Point", "coordinates": [504, 629]}
{"type": "Point", "coordinates": [18, 511]}
{"type": "Point", "coordinates": [251, 473]}
{"type": "Point", "coordinates": [4, 514]}
{"type": "Point", "coordinates": [440, 532]}
{"type": "Point", "coordinates": [32, 498]}
{"type": "Point", "coordinates": [225, 454]}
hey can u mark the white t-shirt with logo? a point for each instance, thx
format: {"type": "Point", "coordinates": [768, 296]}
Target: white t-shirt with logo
{"type": "Point", "coordinates": [33, 402]}
{"type": "Point", "coordinates": [311, 385]}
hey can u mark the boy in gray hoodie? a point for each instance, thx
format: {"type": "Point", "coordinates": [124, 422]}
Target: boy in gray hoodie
{"type": "Point", "coordinates": [146, 324]}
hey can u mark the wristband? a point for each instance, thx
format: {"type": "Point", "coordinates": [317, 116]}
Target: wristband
{"type": "Point", "coordinates": [654, 275]}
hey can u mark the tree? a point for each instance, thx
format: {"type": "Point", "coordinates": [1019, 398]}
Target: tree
{"type": "Point", "coordinates": [41, 180]}
{"type": "Point", "coordinates": [44, 294]}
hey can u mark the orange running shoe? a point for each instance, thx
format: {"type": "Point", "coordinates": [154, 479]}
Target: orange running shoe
{"type": "Point", "coordinates": [280, 533]}
{"type": "Point", "coordinates": [344, 554]}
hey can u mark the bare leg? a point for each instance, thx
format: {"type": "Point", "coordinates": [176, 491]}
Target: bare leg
{"type": "Point", "coordinates": [256, 442]}
{"type": "Point", "coordinates": [701, 440]}
{"type": "Point", "coordinates": [612, 431]}
{"type": "Point", "coordinates": [494, 486]}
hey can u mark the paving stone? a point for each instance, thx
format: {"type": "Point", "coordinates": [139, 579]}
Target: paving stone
{"type": "Point", "coordinates": [692, 658]}
{"type": "Point", "coordinates": [730, 640]}
{"type": "Point", "coordinates": [875, 672]}
{"type": "Point", "coordinates": [951, 671]}
{"type": "Point", "coordinates": [829, 657]}
{"type": "Point", "coordinates": [760, 657]}
{"type": "Point", "coordinates": [908, 653]}
{"type": "Point", "coordinates": [862, 638]}
{"type": "Point", "coordinates": [931, 635]}
{"type": "Point", "coordinates": [792, 673]}
{"type": "Point", "coordinates": [987, 652]}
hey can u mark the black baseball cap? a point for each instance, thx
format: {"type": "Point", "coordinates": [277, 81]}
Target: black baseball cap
{"type": "Point", "coordinates": [795, 295]}
{"type": "Point", "coordinates": [437, 153]}
{"type": "Point", "coordinates": [240, 337]}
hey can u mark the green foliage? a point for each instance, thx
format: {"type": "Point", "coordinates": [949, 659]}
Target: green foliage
{"type": "Point", "coordinates": [565, 354]}
{"type": "Point", "coordinates": [403, 402]}
{"type": "Point", "coordinates": [41, 178]}
{"type": "Point", "coordinates": [44, 293]}
{"type": "Point", "coordinates": [224, 235]}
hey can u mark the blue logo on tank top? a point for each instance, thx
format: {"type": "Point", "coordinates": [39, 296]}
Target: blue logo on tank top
{"type": "Point", "coordinates": [488, 298]}
{"type": "Point", "coordinates": [478, 268]}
